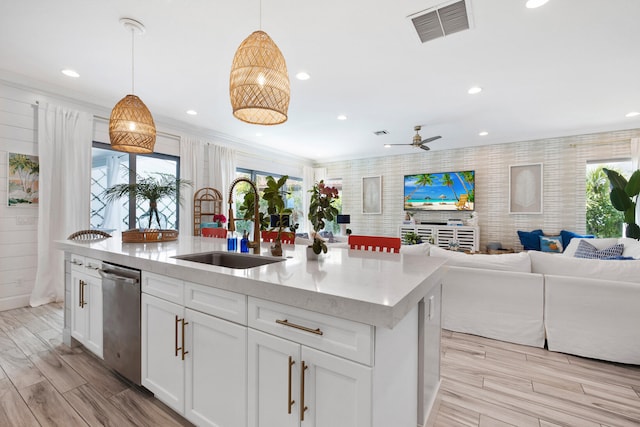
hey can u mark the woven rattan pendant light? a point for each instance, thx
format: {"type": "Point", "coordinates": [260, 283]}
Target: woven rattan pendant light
{"type": "Point", "coordinates": [259, 82]}
{"type": "Point", "coordinates": [131, 126]}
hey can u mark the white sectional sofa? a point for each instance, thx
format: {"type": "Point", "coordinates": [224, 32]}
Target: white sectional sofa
{"type": "Point", "coordinates": [585, 307]}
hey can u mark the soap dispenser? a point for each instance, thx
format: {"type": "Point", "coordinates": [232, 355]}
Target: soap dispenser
{"type": "Point", "coordinates": [244, 243]}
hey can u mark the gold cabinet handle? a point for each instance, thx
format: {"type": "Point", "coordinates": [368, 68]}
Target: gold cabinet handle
{"type": "Point", "coordinates": [183, 325]}
{"type": "Point", "coordinates": [303, 408]}
{"type": "Point", "coordinates": [82, 285]}
{"type": "Point", "coordinates": [176, 336]}
{"type": "Point", "coordinates": [290, 401]}
{"type": "Point", "coordinates": [285, 322]}
{"type": "Point", "coordinates": [80, 293]}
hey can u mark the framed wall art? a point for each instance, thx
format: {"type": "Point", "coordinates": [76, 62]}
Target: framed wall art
{"type": "Point", "coordinates": [23, 173]}
{"type": "Point", "coordinates": [372, 195]}
{"type": "Point", "coordinates": [525, 189]}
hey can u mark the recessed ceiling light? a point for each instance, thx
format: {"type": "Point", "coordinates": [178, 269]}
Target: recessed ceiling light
{"type": "Point", "coordinates": [70, 73]}
{"type": "Point", "coordinates": [632, 114]}
{"type": "Point", "coordinates": [342, 117]}
{"type": "Point", "coordinates": [483, 133]}
{"type": "Point", "coordinates": [532, 4]}
{"type": "Point", "coordinates": [387, 145]}
{"type": "Point", "coordinates": [303, 76]}
{"type": "Point", "coordinates": [474, 90]}
{"type": "Point", "coordinates": [192, 112]}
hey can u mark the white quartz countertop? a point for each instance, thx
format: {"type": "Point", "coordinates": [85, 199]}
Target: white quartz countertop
{"type": "Point", "coordinates": [374, 288]}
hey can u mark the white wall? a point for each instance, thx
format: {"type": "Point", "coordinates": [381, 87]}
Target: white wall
{"type": "Point", "coordinates": [564, 161]}
{"type": "Point", "coordinates": [18, 225]}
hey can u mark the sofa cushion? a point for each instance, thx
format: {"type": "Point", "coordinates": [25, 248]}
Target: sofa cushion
{"type": "Point", "coordinates": [506, 262]}
{"type": "Point", "coordinates": [570, 250]}
{"type": "Point", "coordinates": [567, 236]}
{"type": "Point", "coordinates": [544, 263]}
{"type": "Point", "coordinates": [417, 249]}
{"type": "Point", "coordinates": [551, 244]}
{"type": "Point", "coordinates": [530, 240]}
{"type": "Point", "coordinates": [587, 250]}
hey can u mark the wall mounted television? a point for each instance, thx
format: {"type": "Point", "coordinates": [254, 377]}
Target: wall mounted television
{"type": "Point", "coordinates": [444, 191]}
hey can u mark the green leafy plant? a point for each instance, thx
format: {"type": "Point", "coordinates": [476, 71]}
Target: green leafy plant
{"type": "Point", "coordinates": [624, 197]}
{"type": "Point", "coordinates": [276, 204]}
{"type": "Point", "coordinates": [321, 209]}
{"type": "Point", "coordinates": [151, 188]}
{"type": "Point", "coordinates": [412, 238]}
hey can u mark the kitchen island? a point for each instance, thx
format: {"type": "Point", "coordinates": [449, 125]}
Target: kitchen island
{"type": "Point", "coordinates": [352, 339]}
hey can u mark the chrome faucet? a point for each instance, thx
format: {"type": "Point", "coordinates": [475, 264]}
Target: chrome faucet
{"type": "Point", "coordinates": [256, 214]}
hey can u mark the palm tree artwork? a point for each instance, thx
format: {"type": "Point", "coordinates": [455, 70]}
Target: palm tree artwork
{"type": "Point", "coordinates": [24, 171]}
{"type": "Point", "coordinates": [422, 181]}
{"type": "Point", "coordinates": [151, 188]}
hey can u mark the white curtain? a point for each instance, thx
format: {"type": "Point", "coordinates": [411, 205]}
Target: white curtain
{"type": "Point", "coordinates": [635, 165]}
{"type": "Point", "coordinates": [113, 209]}
{"type": "Point", "coordinates": [308, 180]}
{"type": "Point", "coordinates": [64, 148]}
{"type": "Point", "coordinates": [222, 170]}
{"type": "Point", "coordinates": [192, 167]}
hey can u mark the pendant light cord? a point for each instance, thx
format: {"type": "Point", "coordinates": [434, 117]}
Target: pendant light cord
{"type": "Point", "coordinates": [260, 15]}
{"type": "Point", "coordinates": [132, 60]}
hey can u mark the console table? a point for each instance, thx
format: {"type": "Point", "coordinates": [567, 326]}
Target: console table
{"type": "Point", "coordinates": [468, 237]}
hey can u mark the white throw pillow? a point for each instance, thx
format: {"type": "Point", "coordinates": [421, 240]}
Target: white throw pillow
{"type": "Point", "coordinates": [621, 270]}
{"type": "Point", "coordinates": [519, 262]}
{"type": "Point", "coordinates": [631, 247]}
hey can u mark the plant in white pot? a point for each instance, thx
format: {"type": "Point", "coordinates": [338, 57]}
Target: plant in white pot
{"type": "Point", "coordinates": [151, 188]}
{"type": "Point", "coordinates": [321, 209]}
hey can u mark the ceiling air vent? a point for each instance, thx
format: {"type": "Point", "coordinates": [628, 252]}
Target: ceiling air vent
{"type": "Point", "coordinates": [442, 21]}
{"type": "Point", "coordinates": [381, 132]}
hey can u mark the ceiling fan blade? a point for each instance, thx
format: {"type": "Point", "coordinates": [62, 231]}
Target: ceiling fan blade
{"type": "Point", "coordinates": [433, 138]}
{"type": "Point", "coordinates": [396, 144]}
{"type": "Point", "coordinates": [424, 147]}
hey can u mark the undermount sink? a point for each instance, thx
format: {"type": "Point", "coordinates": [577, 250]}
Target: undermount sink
{"type": "Point", "coordinates": [229, 259]}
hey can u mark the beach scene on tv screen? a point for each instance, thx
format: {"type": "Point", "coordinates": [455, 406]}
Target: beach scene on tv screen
{"type": "Point", "coordinates": [448, 191]}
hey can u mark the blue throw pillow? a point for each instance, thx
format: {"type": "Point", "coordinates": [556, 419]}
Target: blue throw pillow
{"type": "Point", "coordinates": [568, 235]}
{"type": "Point", "coordinates": [551, 244]}
{"type": "Point", "coordinates": [530, 239]}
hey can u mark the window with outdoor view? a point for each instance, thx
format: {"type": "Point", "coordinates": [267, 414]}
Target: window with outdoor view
{"type": "Point", "coordinates": [110, 167]}
{"type": "Point", "coordinates": [292, 193]}
{"type": "Point", "coordinates": [603, 220]}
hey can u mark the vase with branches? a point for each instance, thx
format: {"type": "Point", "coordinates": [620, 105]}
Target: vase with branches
{"type": "Point", "coordinates": [150, 188]}
{"type": "Point", "coordinates": [321, 209]}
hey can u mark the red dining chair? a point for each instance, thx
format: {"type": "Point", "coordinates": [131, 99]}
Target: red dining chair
{"type": "Point", "coordinates": [375, 243]}
{"type": "Point", "coordinates": [220, 233]}
{"type": "Point", "coordinates": [285, 237]}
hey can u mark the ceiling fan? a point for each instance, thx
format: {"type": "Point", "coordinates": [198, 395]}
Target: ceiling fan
{"type": "Point", "coordinates": [418, 142]}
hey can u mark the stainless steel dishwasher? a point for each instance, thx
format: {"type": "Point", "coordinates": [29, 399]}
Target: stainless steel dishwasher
{"type": "Point", "coordinates": [121, 320]}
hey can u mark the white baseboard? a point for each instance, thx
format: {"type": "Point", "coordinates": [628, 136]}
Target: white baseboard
{"type": "Point", "coordinates": [18, 301]}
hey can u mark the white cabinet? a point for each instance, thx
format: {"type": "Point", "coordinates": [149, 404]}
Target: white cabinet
{"type": "Point", "coordinates": [194, 362]}
{"type": "Point", "coordinates": [440, 235]}
{"type": "Point", "coordinates": [293, 378]}
{"type": "Point", "coordinates": [294, 385]}
{"type": "Point", "coordinates": [162, 337]}
{"type": "Point", "coordinates": [86, 299]}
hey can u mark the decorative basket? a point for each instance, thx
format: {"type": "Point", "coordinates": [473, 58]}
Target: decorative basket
{"type": "Point", "coordinates": [149, 235]}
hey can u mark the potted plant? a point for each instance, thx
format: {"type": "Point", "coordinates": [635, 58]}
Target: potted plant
{"type": "Point", "coordinates": [624, 197]}
{"type": "Point", "coordinates": [276, 207]}
{"type": "Point", "coordinates": [219, 219]}
{"type": "Point", "coordinates": [412, 238]}
{"type": "Point", "coordinates": [321, 209]}
{"type": "Point", "coordinates": [151, 188]}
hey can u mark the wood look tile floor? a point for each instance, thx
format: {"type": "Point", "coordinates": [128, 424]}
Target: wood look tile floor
{"type": "Point", "coordinates": [485, 383]}
{"type": "Point", "coordinates": [493, 383]}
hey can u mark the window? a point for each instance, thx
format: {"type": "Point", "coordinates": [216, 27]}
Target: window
{"type": "Point", "coordinates": [292, 193]}
{"type": "Point", "coordinates": [602, 219]}
{"type": "Point", "coordinates": [110, 167]}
